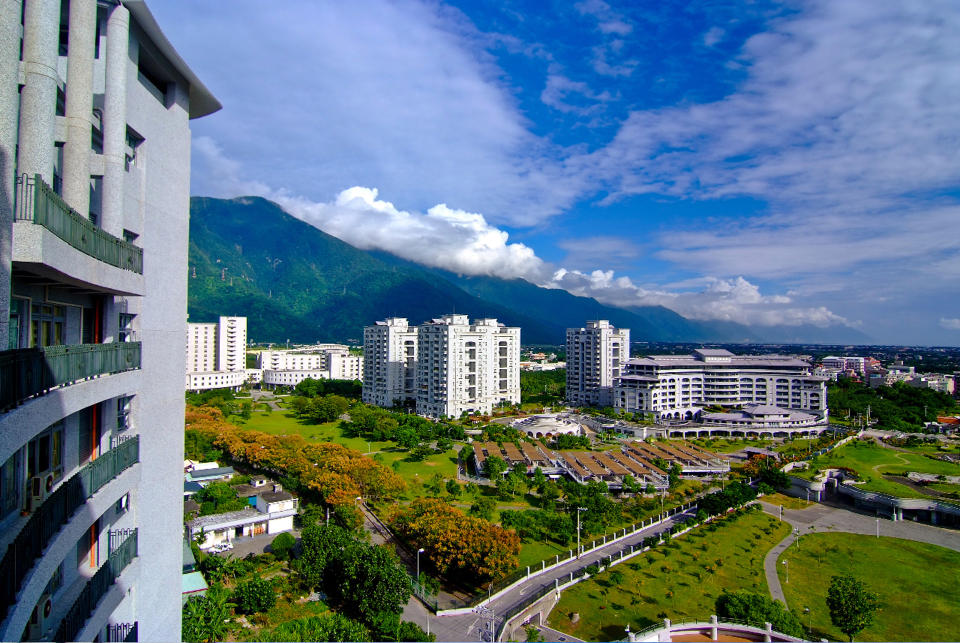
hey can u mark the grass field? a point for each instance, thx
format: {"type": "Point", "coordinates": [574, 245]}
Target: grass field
{"type": "Point", "coordinates": [729, 445]}
{"type": "Point", "coordinates": [871, 461]}
{"type": "Point", "coordinates": [682, 580]}
{"type": "Point", "coordinates": [788, 502]}
{"type": "Point", "coordinates": [918, 592]}
{"type": "Point", "coordinates": [283, 423]}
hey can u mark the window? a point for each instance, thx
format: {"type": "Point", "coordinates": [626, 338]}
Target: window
{"type": "Point", "coordinates": [45, 454]}
{"type": "Point", "coordinates": [123, 412]}
{"type": "Point", "coordinates": [47, 324]}
{"type": "Point", "coordinates": [18, 320]}
{"type": "Point", "coordinates": [9, 485]}
{"type": "Point", "coordinates": [125, 331]}
{"type": "Point", "coordinates": [123, 504]}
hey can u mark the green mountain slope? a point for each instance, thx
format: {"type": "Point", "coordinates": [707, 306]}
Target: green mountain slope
{"type": "Point", "coordinates": [292, 281]}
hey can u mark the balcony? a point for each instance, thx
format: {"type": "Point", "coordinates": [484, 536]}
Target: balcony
{"type": "Point", "coordinates": [30, 372]}
{"type": "Point", "coordinates": [45, 226]}
{"type": "Point", "coordinates": [97, 587]}
{"type": "Point", "coordinates": [55, 512]}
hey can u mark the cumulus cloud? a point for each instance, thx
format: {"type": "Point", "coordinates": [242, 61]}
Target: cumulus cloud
{"type": "Point", "coordinates": [950, 323]}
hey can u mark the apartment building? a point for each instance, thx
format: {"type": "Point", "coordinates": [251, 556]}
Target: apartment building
{"type": "Point", "coordinates": [679, 386]}
{"type": "Point", "coordinates": [95, 107]}
{"type": "Point", "coordinates": [595, 357]}
{"type": "Point", "coordinates": [465, 367]}
{"type": "Point", "coordinates": [216, 354]}
{"type": "Point", "coordinates": [390, 362]}
{"type": "Point", "coordinates": [448, 366]}
{"type": "Point", "coordinates": [324, 361]}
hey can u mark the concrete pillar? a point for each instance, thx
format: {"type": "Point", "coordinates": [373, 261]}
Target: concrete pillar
{"type": "Point", "coordinates": [768, 634]}
{"type": "Point", "coordinates": [713, 627]}
{"type": "Point", "coordinates": [115, 119]}
{"type": "Point", "coordinates": [38, 99]}
{"type": "Point", "coordinates": [76, 149]}
{"type": "Point", "coordinates": [9, 113]}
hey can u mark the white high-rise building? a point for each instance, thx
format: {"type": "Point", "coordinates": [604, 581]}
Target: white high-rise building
{"type": "Point", "coordinates": [217, 354]}
{"type": "Point", "coordinates": [465, 367]}
{"type": "Point", "coordinates": [595, 357]}
{"type": "Point", "coordinates": [95, 110]}
{"type": "Point", "coordinates": [390, 362]}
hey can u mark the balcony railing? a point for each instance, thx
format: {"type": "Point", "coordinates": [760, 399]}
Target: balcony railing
{"type": "Point", "coordinates": [37, 202]}
{"type": "Point", "coordinates": [28, 372]}
{"type": "Point", "coordinates": [55, 512]}
{"type": "Point", "coordinates": [96, 588]}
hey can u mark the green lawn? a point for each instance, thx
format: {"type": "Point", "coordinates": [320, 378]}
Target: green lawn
{"type": "Point", "coordinates": [918, 592]}
{"type": "Point", "coordinates": [788, 502]}
{"type": "Point", "coordinates": [534, 553]}
{"type": "Point", "coordinates": [283, 423]}
{"type": "Point", "coordinates": [729, 445]}
{"type": "Point", "coordinates": [682, 581]}
{"type": "Point", "coordinates": [871, 461]}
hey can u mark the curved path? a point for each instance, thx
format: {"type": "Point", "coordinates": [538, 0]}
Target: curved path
{"type": "Point", "coordinates": [471, 627]}
{"type": "Point", "coordinates": [826, 518]}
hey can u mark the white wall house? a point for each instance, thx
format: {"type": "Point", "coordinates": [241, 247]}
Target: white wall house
{"type": "Point", "coordinates": [273, 513]}
{"type": "Point", "coordinates": [324, 361]}
{"type": "Point", "coordinates": [95, 110]}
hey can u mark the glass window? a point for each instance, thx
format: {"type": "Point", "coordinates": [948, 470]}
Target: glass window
{"type": "Point", "coordinates": [9, 485]}
{"type": "Point", "coordinates": [47, 324]}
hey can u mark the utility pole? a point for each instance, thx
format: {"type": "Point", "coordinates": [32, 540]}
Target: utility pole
{"type": "Point", "coordinates": [579, 509]}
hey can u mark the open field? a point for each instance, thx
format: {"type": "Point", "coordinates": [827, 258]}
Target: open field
{"type": "Point", "coordinates": [871, 461]}
{"type": "Point", "coordinates": [283, 423]}
{"type": "Point", "coordinates": [788, 502]}
{"type": "Point", "coordinates": [682, 580]}
{"type": "Point", "coordinates": [729, 445]}
{"type": "Point", "coordinates": [918, 592]}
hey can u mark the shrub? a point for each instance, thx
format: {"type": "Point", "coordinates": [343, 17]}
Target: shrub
{"type": "Point", "coordinates": [254, 596]}
{"type": "Point", "coordinates": [282, 545]}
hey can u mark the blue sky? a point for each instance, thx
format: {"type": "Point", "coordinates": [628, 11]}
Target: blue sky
{"type": "Point", "coordinates": [765, 163]}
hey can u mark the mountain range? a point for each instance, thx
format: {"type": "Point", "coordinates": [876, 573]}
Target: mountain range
{"type": "Point", "coordinates": [295, 282]}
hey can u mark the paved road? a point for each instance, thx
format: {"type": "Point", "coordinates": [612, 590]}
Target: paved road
{"type": "Point", "coordinates": [469, 627]}
{"type": "Point", "coordinates": [832, 518]}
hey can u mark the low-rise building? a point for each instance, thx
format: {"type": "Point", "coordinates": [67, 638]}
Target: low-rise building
{"type": "Point", "coordinates": [273, 513]}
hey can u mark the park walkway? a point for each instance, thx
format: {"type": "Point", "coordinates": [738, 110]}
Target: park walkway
{"type": "Point", "coordinates": [829, 518]}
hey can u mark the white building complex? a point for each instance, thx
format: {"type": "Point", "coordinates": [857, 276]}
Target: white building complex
{"type": "Point", "coordinates": [95, 107]}
{"type": "Point", "coordinates": [679, 387]}
{"type": "Point", "coordinates": [217, 354]}
{"type": "Point", "coordinates": [449, 365]}
{"type": "Point", "coordinates": [323, 361]}
{"type": "Point", "coordinates": [595, 356]}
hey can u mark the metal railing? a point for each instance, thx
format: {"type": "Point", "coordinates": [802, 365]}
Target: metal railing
{"type": "Point", "coordinates": [122, 632]}
{"type": "Point", "coordinates": [28, 372]}
{"type": "Point", "coordinates": [39, 203]}
{"type": "Point", "coordinates": [55, 512]}
{"type": "Point", "coordinates": [96, 588]}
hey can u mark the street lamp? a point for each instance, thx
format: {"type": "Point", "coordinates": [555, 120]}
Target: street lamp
{"type": "Point", "coordinates": [419, 551]}
{"type": "Point", "coordinates": [787, 567]}
{"type": "Point", "coordinates": [579, 509]}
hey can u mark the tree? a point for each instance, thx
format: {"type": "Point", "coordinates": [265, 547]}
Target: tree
{"type": "Point", "coordinates": [329, 627]}
{"type": "Point", "coordinates": [254, 596]}
{"type": "Point", "coordinates": [320, 544]}
{"type": "Point", "coordinates": [371, 582]}
{"type": "Point", "coordinates": [282, 545]}
{"type": "Point", "coordinates": [494, 466]}
{"type": "Point", "coordinates": [851, 603]}
{"type": "Point", "coordinates": [204, 617]}
{"type": "Point", "coordinates": [757, 609]}
{"type": "Point", "coordinates": [454, 488]}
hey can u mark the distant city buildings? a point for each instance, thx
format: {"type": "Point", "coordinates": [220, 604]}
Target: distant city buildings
{"type": "Point", "coordinates": [319, 362]}
{"type": "Point", "coordinates": [595, 357]}
{"type": "Point", "coordinates": [447, 366]}
{"type": "Point", "coordinates": [217, 354]}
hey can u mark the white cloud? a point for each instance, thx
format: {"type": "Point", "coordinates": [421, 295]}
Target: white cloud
{"type": "Point", "coordinates": [950, 323]}
{"type": "Point", "coordinates": [713, 36]}
{"type": "Point", "coordinates": [572, 97]}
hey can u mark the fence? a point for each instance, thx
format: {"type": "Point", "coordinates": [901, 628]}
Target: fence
{"type": "Point", "coordinates": [39, 203]}
{"type": "Point", "coordinates": [96, 588]}
{"type": "Point", "coordinates": [28, 372]}
{"type": "Point", "coordinates": [55, 512]}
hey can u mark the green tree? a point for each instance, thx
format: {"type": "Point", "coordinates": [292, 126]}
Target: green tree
{"type": "Point", "coordinates": [282, 545]}
{"type": "Point", "coordinates": [329, 627]}
{"type": "Point", "coordinates": [494, 466]}
{"type": "Point", "coordinates": [483, 507]}
{"type": "Point", "coordinates": [454, 488]}
{"type": "Point", "coordinates": [757, 609]}
{"type": "Point", "coordinates": [533, 634]}
{"type": "Point", "coordinates": [851, 604]}
{"type": "Point", "coordinates": [371, 581]}
{"type": "Point", "coordinates": [204, 617]}
{"type": "Point", "coordinates": [319, 545]}
{"type": "Point", "coordinates": [256, 595]}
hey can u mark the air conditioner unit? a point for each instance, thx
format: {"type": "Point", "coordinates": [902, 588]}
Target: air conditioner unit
{"type": "Point", "coordinates": [41, 619]}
